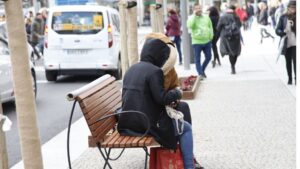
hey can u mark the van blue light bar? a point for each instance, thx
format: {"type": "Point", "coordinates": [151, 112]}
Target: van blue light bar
{"type": "Point", "coordinates": [73, 2]}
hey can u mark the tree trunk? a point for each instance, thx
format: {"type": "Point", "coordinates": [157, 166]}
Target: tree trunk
{"type": "Point", "coordinates": [160, 17]}
{"type": "Point", "coordinates": [186, 43]}
{"type": "Point", "coordinates": [23, 87]}
{"type": "Point", "coordinates": [3, 151]}
{"type": "Point", "coordinates": [153, 18]}
{"type": "Point", "coordinates": [132, 36]}
{"type": "Point", "coordinates": [123, 29]}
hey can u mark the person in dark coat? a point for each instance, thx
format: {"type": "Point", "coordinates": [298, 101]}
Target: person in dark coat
{"type": "Point", "coordinates": [214, 17]}
{"type": "Point", "coordinates": [287, 28]}
{"type": "Point", "coordinates": [173, 31]}
{"type": "Point", "coordinates": [231, 47]}
{"type": "Point", "coordinates": [143, 90]}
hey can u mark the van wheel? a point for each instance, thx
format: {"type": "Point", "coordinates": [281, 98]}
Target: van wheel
{"type": "Point", "coordinates": [118, 73]}
{"type": "Point", "coordinates": [51, 75]}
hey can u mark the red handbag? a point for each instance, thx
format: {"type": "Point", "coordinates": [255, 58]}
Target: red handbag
{"type": "Point", "coordinates": [162, 158]}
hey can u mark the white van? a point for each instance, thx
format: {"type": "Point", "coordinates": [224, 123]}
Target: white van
{"type": "Point", "coordinates": [80, 40]}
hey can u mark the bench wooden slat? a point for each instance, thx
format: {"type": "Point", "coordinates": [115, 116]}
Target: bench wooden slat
{"type": "Point", "coordinates": [119, 140]}
{"type": "Point", "coordinates": [106, 141]}
{"type": "Point", "coordinates": [149, 141]}
{"type": "Point", "coordinates": [111, 143]}
{"type": "Point", "coordinates": [92, 101]}
{"type": "Point", "coordinates": [96, 88]}
{"type": "Point", "coordinates": [102, 107]}
{"type": "Point", "coordinates": [135, 141]}
{"type": "Point", "coordinates": [124, 141]}
{"type": "Point", "coordinates": [141, 143]}
{"type": "Point", "coordinates": [110, 108]}
{"type": "Point", "coordinates": [95, 126]}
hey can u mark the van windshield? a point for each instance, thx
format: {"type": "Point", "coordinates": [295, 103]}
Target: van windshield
{"type": "Point", "coordinates": [77, 22]}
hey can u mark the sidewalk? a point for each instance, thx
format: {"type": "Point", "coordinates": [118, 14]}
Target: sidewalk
{"type": "Point", "coordinates": [242, 121]}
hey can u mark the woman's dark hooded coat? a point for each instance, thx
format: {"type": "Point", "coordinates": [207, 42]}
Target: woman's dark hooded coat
{"type": "Point", "coordinates": [143, 90]}
{"type": "Point", "coordinates": [230, 47]}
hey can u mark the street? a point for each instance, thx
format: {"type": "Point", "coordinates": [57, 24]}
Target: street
{"type": "Point", "coordinates": [52, 107]}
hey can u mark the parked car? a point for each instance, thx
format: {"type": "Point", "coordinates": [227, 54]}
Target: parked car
{"type": "Point", "coordinates": [6, 84]}
{"type": "Point", "coordinates": [82, 39]}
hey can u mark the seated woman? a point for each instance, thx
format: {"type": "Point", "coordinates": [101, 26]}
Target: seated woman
{"type": "Point", "coordinates": [143, 90]}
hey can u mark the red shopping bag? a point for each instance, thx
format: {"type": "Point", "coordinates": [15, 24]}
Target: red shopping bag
{"type": "Point", "coordinates": [162, 158]}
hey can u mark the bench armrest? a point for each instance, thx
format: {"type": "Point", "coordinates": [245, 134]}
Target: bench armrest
{"type": "Point", "coordinates": [126, 112]}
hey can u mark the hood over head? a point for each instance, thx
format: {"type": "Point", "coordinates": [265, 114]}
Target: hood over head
{"type": "Point", "coordinates": [160, 51]}
{"type": "Point", "coordinates": [156, 49]}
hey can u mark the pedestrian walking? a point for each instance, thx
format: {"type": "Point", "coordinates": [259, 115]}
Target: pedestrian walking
{"type": "Point", "coordinates": [286, 29]}
{"type": "Point", "coordinates": [263, 21]}
{"type": "Point", "coordinates": [36, 33]}
{"type": "Point", "coordinates": [230, 44]}
{"type": "Point", "coordinates": [214, 17]}
{"type": "Point", "coordinates": [143, 90]}
{"type": "Point", "coordinates": [201, 30]}
{"type": "Point", "coordinates": [173, 31]}
{"type": "Point", "coordinates": [250, 14]}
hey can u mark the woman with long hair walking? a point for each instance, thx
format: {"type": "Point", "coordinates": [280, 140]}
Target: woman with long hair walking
{"type": "Point", "coordinates": [214, 17]}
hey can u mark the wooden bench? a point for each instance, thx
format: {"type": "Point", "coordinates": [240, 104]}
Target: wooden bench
{"type": "Point", "coordinates": [98, 101]}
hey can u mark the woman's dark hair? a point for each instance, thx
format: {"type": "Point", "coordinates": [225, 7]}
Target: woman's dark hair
{"type": "Point", "coordinates": [232, 7]}
{"type": "Point", "coordinates": [213, 11]}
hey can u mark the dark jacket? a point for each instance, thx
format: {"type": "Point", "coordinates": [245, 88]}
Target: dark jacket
{"type": "Point", "coordinates": [143, 90]}
{"type": "Point", "coordinates": [263, 17]}
{"type": "Point", "coordinates": [214, 21]}
{"type": "Point", "coordinates": [36, 31]}
{"type": "Point", "coordinates": [229, 47]}
{"type": "Point", "coordinates": [173, 26]}
{"type": "Point", "coordinates": [250, 11]}
{"type": "Point", "coordinates": [280, 31]}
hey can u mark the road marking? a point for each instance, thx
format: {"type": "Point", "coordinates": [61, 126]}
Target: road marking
{"type": "Point", "coordinates": [42, 81]}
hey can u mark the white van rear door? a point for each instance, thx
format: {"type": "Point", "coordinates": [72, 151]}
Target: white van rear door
{"type": "Point", "coordinates": [78, 30]}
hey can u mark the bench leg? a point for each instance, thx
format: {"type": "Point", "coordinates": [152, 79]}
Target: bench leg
{"type": "Point", "coordinates": [146, 157]}
{"type": "Point", "coordinates": [105, 157]}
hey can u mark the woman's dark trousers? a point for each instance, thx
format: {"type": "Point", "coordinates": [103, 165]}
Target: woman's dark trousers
{"type": "Point", "coordinates": [233, 59]}
{"type": "Point", "coordinates": [265, 34]}
{"type": "Point", "coordinates": [177, 41]}
{"type": "Point", "coordinates": [215, 50]}
{"type": "Point", "coordinates": [290, 58]}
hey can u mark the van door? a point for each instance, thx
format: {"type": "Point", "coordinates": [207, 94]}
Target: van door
{"type": "Point", "coordinates": [81, 30]}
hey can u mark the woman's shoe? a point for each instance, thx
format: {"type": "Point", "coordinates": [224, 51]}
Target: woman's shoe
{"type": "Point", "coordinates": [233, 70]}
{"type": "Point", "coordinates": [197, 165]}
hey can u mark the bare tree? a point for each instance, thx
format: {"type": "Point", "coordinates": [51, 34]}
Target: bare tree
{"type": "Point", "coordinates": [23, 87]}
{"type": "Point", "coordinates": [123, 30]}
{"type": "Point", "coordinates": [132, 35]}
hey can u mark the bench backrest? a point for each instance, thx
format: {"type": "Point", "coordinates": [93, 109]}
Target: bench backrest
{"type": "Point", "coordinates": [102, 99]}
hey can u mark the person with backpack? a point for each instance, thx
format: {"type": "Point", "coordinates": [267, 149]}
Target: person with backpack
{"type": "Point", "coordinates": [229, 27]}
{"type": "Point", "coordinates": [202, 34]}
